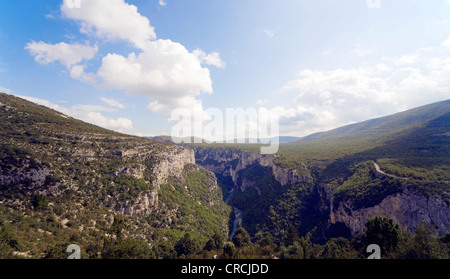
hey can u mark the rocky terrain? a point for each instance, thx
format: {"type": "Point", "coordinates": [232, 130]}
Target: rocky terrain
{"type": "Point", "coordinates": [82, 177]}
{"type": "Point", "coordinates": [407, 209]}
{"type": "Point", "coordinates": [228, 162]}
{"type": "Point", "coordinates": [65, 181]}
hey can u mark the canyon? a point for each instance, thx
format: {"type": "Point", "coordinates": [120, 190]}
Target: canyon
{"type": "Point", "coordinates": [407, 208]}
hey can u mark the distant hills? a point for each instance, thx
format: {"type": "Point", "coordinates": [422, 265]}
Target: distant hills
{"type": "Point", "coordinates": [422, 131]}
{"type": "Point", "coordinates": [281, 139]}
{"type": "Point", "coordinates": [414, 144]}
{"type": "Point", "coordinates": [391, 125]}
{"type": "Point", "coordinates": [64, 181]}
{"type": "Point", "coordinates": [397, 166]}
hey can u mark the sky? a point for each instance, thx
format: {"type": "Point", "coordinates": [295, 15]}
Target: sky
{"type": "Point", "coordinates": [126, 65]}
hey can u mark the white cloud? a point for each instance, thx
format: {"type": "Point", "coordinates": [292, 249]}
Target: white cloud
{"type": "Point", "coordinates": [88, 113]}
{"type": "Point", "coordinates": [119, 124]}
{"type": "Point", "coordinates": [49, 16]}
{"type": "Point", "coordinates": [112, 103]}
{"type": "Point", "coordinates": [66, 54]}
{"type": "Point", "coordinates": [212, 59]}
{"type": "Point", "coordinates": [166, 72]}
{"type": "Point", "coordinates": [93, 108]}
{"type": "Point", "coordinates": [77, 72]}
{"type": "Point", "coordinates": [446, 43]}
{"type": "Point", "coordinates": [162, 3]}
{"type": "Point", "coordinates": [329, 99]}
{"type": "Point", "coordinates": [269, 33]}
{"type": "Point", "coordinates": [69, 55]}
{"type": "Point", "coordinates": [112, 19]}
{"type": "Point", "coordinates": [6, 90]}
{"type": "Point", "coordinates": [163, 71]}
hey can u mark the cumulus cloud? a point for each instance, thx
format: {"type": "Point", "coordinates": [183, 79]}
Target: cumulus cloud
{"type": "Point", "coordinates": [88, 113]}
{"type": "Point", "coordinates": [119, 124]}
{"type": "Point", "coordinates": [77, 72]}
{"type": "Point", "coordinates": [111, 19]}
{"type": "Point", "coordinates": [162, 3]}
{"type": "Point", "coordinates": [166, 72]}
{"type": "Point", "coordinates": [212, 59]}
{"type": "Point", "coordinates": [446, 43]}
{"type": "Point", "coordinates": [163, 71]}
{"type": "Point", "coordinates": [112, 102]}
{"type": "Point", "coordinates": [328, 99]}
{"type": "Point", "coordinates": [66, 54]}
{"type": "Point", "coordinates": [69, 55]}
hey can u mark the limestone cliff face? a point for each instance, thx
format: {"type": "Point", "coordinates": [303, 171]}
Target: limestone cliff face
{"type": "Point", "coordinates": [228, 162]}
{"type": "Point", "coordinates": [169, 163]}
{"type": "Point", "coordinates": [172, 163]}
{"type": "Point", "coordinates": [125, 156]}
{"type": "Point", "coordinates": [57, 168]}
{"type": "Point", "coordinates": [407, 209]}
{"type": "Point", "coordinates": [142, 206]}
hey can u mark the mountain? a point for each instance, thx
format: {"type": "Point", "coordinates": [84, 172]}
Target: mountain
{"type": "Point", "coordinates": [385, 126]}
{"type": "Point", "coordinates": [396, 167]}
{"type": "Point", "coordinates": [64, 181]}
{"type": "Point", "coordinates": [400, 135]}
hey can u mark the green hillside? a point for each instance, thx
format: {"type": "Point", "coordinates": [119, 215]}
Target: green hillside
{"type": "Point", "coordinates": [376, 129]}
{"type": "Point", "coordinates": [411, 147]}
{"type": "Point", "coordinates": [63, 181]}
{"type": "Point", "coordinates": [413, 138]}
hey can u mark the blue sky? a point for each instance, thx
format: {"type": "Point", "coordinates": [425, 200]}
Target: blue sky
{"type": "Point", "coordinates": [126, 65]}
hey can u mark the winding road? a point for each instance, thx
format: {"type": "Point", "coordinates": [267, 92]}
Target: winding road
{"type": "Point", "coordinates": [377, 167]}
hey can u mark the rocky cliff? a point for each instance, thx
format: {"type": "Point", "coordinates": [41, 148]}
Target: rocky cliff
{"type": "Point", "coordinates": [166, 164]}
{"type": "Point", "coordinates": [144, 161]}
{"type": "Point", "coordinates": [63, 179]}
{"type": "Point", "coordinates": [229, 162]}
{"type": "Point", "coordinates": [407, 209]}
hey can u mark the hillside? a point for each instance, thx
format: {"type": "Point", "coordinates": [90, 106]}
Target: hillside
{"type": "Point", "coordinates": [391, 125]}
{"type": "Point", "coordinates": [410, 136]}
{"type": "Point", "coordinates": [64, 181]}
{"type": "Point", "coordinates": [396, 166]}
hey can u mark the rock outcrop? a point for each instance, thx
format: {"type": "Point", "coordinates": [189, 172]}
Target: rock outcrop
{"type": "Point", "coordinates": [407, 209]}
{"type": "Point", "coordinates": [129, 156]}
{"type": "Point", "coordinates": [23, 175]}
{"type": "Point", "coordinates": [229, 162]}
{"type": "Point", "coordinates": [170, 163]}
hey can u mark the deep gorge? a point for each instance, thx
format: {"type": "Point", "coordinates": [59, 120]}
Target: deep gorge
{"type": "Point", "coordinates": [261, 186]}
